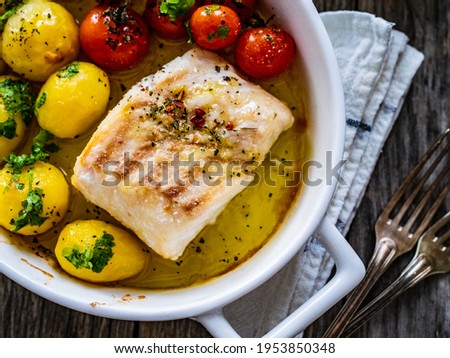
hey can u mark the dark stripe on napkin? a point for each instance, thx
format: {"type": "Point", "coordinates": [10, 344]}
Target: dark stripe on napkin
{"type": "Point", "coordinates": [358, 124]}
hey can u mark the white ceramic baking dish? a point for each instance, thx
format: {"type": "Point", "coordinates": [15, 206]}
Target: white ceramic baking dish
{"type": "Point", "coordinates": [306, 217]}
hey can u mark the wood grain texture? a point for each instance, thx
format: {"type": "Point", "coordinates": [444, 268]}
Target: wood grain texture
{"type": "Point", "coordinates": [421, 312]}
{"type": "Point", "coordinates": [424, 311]}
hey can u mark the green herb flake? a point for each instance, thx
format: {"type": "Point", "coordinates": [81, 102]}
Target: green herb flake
{"type": "Point", "coordinates": [17, 98]}
{"type": "Point", "coordinates": [176, 8]}
{"type": "Point", "coordinates": [78, 259]}
{"type": "Point", "coordinates": [210, 9]}
{"type": "Point", "coordinates": [31, 214]}
{"type": "Point", "coordinates": [39, 151]}
{"type": "Point", "coordinates": [221, 32]}
{"type": "Point", "coordinates": [11, 4]}
{"type": "Point", "coordinates": [20, 186]}
{"type": "Point", "coordinates": [102, 252]}
{"type": "Point", "coordinates": [8, 129]}
{"type": "Point", "coordinates": [190, 40]}
{"type": "Point", "coordinates": [69, 71]}
{"type": "Point", "coordinates": [92, 258]}
{"type": "Point", "coordinates": [10, 7]}
{"type": "Point", "coordinates": [41, 101]}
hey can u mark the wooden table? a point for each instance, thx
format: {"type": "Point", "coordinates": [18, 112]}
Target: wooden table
{"type": "Point", "coordinates": [421, 312]}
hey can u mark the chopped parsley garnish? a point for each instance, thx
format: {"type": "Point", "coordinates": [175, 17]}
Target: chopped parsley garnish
{"type": "Point", "coordinates": [211, 8]}
{"type": "Point", "coordinates": [41, 101]}
{"type": "Point", "coordinates": [221, 32]}
{"type": "Point", "coordinates": [39, 151]}
{"type": "Point", "coordinates": [102, 251]}
{"type": "Point", "coordinates": [190, 40]}
{"type": "Point", "coordinates": [11, 4]}
{"type": "Point", "coordinates": [17, 98]}
{"type": "Point", "coordinates": [8, 128]}
{"type": "Point", "coordinates": [10, 7]}
{"type": "Point", "coordinates": [32, 206]}
{"type": "Point", "coordinates": [31, 214]}
{"type": "Point", "coordinates": [69, 71]}
{"type": "Point", "coordinates": [79, 259]}
{"type": "Point", "coordinates": [93, 258]}
{"type": "Point", "coordinates": [176, 8]}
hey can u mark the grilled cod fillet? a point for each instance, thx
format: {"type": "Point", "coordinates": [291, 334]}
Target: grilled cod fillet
{"type": "Point", "coordinates": [177, 148]}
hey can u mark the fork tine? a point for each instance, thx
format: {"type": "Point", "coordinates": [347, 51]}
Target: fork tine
{"type": "Point", "coordinates": [410, 178]}
{"type": "Point", "coordinates": [422, 182]}
{"type": "Point", "coordinates": [430, 259]}
{"type": "Point", "coordinates": [432, 189]}
{"type": "Point", "coordinates": [393, 241]}
{"type": "Point", "coordinates": [444, 237]}
{"type": "Point", "coordinates": [437, 227]}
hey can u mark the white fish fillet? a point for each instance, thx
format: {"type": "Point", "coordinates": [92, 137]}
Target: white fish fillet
{"type": "Point", "coordinates": [197, 112]}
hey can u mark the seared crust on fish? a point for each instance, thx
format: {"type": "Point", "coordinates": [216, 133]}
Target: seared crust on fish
{"type": "Point", "coordinates": [178, 147]}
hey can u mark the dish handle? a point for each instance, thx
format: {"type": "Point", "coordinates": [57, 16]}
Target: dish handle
{"type": "Point", "coordinates": [349, 272]}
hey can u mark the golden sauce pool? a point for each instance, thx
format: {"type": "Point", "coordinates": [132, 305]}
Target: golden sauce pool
{"type": "Point", "coordinates": [247, 223]}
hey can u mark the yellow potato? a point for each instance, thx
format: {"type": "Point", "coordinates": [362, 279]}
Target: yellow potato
{"type": "Point", "coordinates": [16, 108]}
{"type": "Point", "coordinates": [40, 38]}
{"type": "Point", "coordinates": [8, 145]}
{"type": "Point", "coordinates": [2, 63]}
{"type": "Point", "coordinates": [95, 251]}
{"type": "Point", "coordinates": [40, 208]}
{"type": "Point", "coordinates": [73, 99]}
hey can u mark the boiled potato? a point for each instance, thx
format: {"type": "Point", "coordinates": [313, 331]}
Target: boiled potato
{"type": "Point", "coordinates": [40, 38]}
{"type": "Point", "coordinates": [3, 9]}
{"type": "Point", "coordinates": [36, 209]}
{"type": "Point", "coordinates": [16, 108]}
{"type": "Point", "coordinates": [95, 251]}
{"type": "Point", "coordinates": [73, 99]}
{"type": "Point", "coordinates": [8, 145]}
{"type": "Point", "coordinates": [2, 63]}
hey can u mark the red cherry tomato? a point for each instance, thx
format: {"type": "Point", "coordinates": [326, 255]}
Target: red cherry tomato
{"type": "Point", "coordinates": [244, 8]}
{"type": "Point", "coordinates": [163, 24]}
{"type": "Point", "coordinates": [114, 37]}
{"type": "Point", "coordinates": [264, 52]}
{"type": "Point", "coordinates": [215, 27]}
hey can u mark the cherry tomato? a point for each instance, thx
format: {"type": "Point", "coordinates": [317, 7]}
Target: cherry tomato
{"type": "Point", "coordinates": [264, 52]}
{"type": "Point", "coordinates": [168, 26]}
{"type": "Point", "coordinates": [114, 37]}
{"type": "Point", "coordinates": [244, 8]}
{"type": "Point", "coordinates": [215, 27]}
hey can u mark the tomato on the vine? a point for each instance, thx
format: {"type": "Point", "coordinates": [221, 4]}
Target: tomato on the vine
{"type": "Point", "coordinates": [215, 27]}
{"type": "Point", "coordinates": [244, 8]}
{"type": "Point", "coordinates": [168, 19]}
{"type": "Point", "coordinates": [114, 37]}
{"type": "Point", "coordinates": [264, 52]}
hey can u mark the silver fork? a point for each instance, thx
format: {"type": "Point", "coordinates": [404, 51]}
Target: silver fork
{"type": "Point", "coordinates": [398, 230]}
{"type": "Point", "coordinates": [432, 257]}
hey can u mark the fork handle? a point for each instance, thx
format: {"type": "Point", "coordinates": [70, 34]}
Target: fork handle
{"type": "Point", "coordinates": [417, 270]}
{"type": "Point", "coordinates": [384, 253]}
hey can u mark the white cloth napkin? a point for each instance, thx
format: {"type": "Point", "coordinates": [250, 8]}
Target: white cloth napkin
{"type": "Point", "coordinates": [377, 67]}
